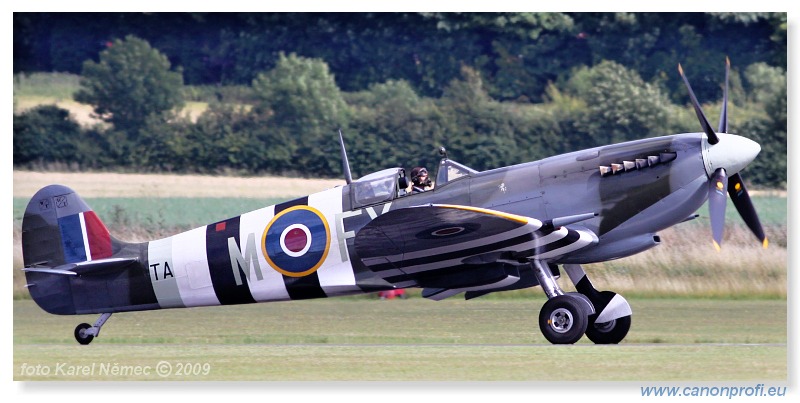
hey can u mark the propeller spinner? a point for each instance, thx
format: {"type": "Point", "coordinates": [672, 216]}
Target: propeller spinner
{"type": "Point", "coordinates": [724, 156]}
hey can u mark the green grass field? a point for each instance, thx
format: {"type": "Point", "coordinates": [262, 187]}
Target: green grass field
{"type": "Point", "coordinates": [366, 339]}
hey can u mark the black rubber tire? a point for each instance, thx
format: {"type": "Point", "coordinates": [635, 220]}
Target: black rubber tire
{"type": "Point", "coordinates": [563, 319]}
{"type": "Point", "coordinates": [83, 338]}
{"type": "Point", "coordinates": [609, 332]}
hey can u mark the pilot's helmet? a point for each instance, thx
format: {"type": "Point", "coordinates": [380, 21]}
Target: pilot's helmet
{"type": "Point", "coordinates": [417, 174]}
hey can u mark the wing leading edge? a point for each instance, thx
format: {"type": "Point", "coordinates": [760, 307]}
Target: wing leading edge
{"type": "Point", "coordinates": [449, 248]}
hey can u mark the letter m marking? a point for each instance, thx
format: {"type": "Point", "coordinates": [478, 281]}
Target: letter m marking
{"type": "Point", "coordinates": [245, 262]}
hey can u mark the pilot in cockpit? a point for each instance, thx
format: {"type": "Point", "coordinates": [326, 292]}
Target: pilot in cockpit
{"type": "Point", "coordinates": [419, 180]}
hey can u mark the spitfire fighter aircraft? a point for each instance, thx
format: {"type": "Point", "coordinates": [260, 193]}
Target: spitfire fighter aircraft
{"type": "Point", "coordinates": [475, 232]}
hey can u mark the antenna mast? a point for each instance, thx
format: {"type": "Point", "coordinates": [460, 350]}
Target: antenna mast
{"type": "Point", "coordinates": [348, 177]}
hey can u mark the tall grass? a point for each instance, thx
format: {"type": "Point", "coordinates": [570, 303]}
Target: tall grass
{"type": "Point", "coordinates": [687, 264]}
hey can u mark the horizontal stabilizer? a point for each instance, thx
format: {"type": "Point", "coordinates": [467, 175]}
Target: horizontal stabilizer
{"type": "Point", "coordinates": [48, 270]}
{"type": "Point", "coordinates": [85, 268]}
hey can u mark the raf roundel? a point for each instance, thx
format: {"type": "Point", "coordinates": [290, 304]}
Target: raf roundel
{"type": "Point", "coordinates": [449, 231]}
{"type": "Point", "coordinates": [296, 241]}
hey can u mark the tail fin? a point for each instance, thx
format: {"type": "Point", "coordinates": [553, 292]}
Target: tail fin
{"type": "Point", "coordinates": [63, 242]}
{"type": "Point", "coordinates": [59, 228]}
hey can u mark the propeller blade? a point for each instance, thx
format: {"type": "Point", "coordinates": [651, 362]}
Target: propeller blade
{"type": "Point", "coordinates": [723, 116]}
{"type": "Point", "coordinates": [741, 199]}
{"type": "Point", "coordinates": [717, 201]}
{"type": "Point", "coordinates": [712, 137]}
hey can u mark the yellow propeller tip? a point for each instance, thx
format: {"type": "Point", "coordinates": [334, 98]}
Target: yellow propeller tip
{"type": "Point", "coordinates": [717, 247]}
{"type": "Point", "coordinates": [765, 243]}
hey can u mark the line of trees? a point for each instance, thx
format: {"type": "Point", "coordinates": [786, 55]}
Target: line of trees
{"type": "Point", "coordinates": [517, 54]}
{"type": "Point", "coordinates": [504, 103]}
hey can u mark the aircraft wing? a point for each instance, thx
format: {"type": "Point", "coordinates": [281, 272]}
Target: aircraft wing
{"type": "Point", "coordinates": [450, 247]}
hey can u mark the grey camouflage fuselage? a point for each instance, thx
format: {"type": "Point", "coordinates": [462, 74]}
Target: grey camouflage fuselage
{"type": "Point", "coordinates": [228, 262]}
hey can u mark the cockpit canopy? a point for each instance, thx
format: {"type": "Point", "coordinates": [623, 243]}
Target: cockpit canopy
{"type": "Point", "coordinates": [450, 170]}
{"type": "Point", "coordinates": [388, 184]}
{"type": "Point", "coordinates": [378, 187]}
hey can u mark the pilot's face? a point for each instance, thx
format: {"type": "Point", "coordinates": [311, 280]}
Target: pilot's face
{"type": "Point", "coordinates": [422, 176]}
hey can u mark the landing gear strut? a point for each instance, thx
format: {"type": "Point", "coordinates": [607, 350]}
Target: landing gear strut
{"type": "Point", "coordinates": [85, 333]}
{"type": "Point", "coordinates": [564, 318]}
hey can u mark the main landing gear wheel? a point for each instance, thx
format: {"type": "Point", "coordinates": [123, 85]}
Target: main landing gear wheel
{"type": "Point", "coordinates": [563, 319]}
{"type": "Point", "coordinates": [82, 335]}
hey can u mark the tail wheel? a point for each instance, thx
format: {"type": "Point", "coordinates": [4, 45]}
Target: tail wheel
{"type": "Point", "coordinates": [81, 335]}
{"type": "Point", "coordinates": [611, 332]}
{"type": "Point", "coordinates": [563, 319]}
